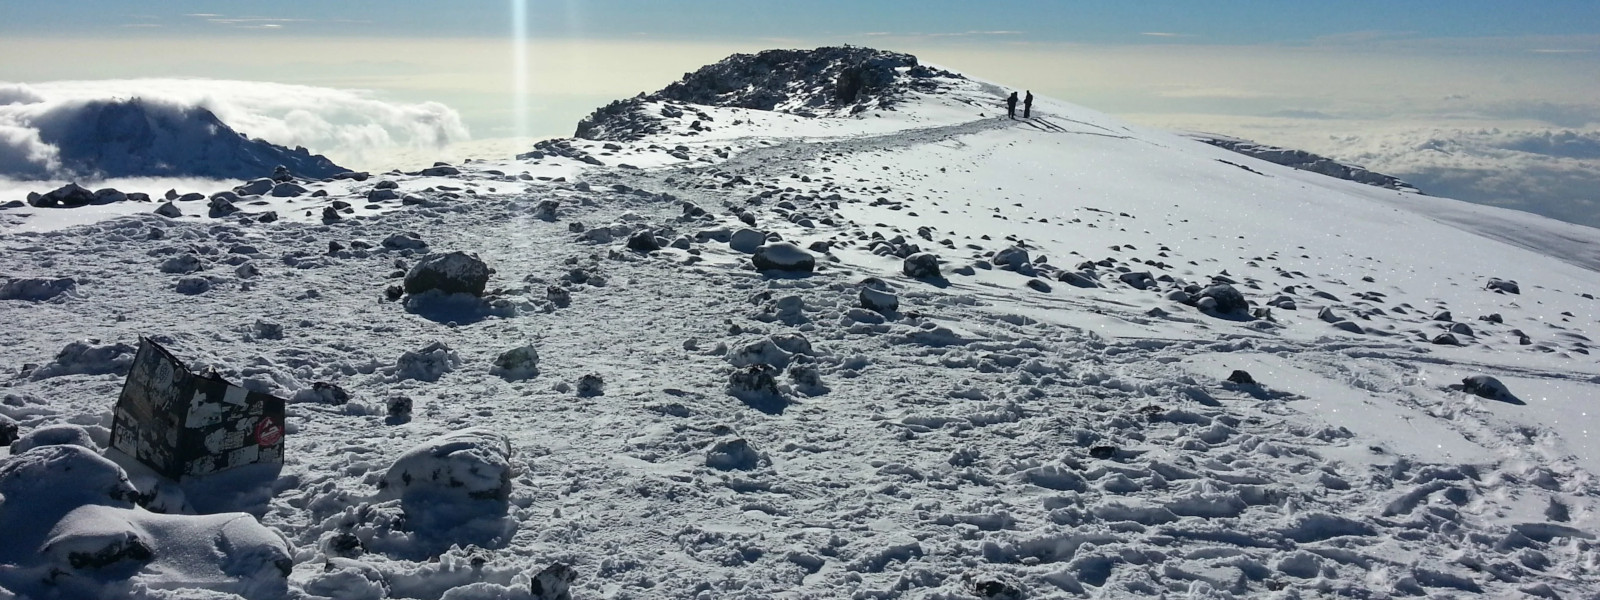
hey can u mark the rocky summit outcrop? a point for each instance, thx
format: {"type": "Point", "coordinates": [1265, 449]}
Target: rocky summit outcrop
{"type": "Point", "coordinates": [146, 138]}
{"type": "Point", "coordinates": [828, 81]}
{"type": "Point", "coordinates": [1306, 161]}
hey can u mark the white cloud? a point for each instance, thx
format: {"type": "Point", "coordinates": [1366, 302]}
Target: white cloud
{"type": "Point", "coordinates": [351, 127]}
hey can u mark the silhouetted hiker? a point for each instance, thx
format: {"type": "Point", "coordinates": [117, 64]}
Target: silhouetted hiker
{"type": "Point", "coordinates": [1011, 105]}
{"type": "Point", "coordinates": [1027, 105]}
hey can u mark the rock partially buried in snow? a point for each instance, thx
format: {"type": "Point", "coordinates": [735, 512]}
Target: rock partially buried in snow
{"type": "Point", "coordinates": [54, 435]}
{"type": "Point", "coordinates": [9, 430]}
{"type": "Point", "coordinates": [1485, 386]}
{"type": "Point", "coordinates": [643, 241]}
{"type": "Point", "coordinates": [783, 256]}
{"type": "Point", "coordinates": [449, 273]}
{"type": "Point", "coordinates": [1228, 300]}
{"type": "Point", "coordinates": [1012, 257]}
{"type": "Point", "coordinates": [88, 357]}
{"type": "Point", "coordinates": [591, 385]}
{"type": "Point", "coordinates": [428, 364]}
{"type": "Point", "coordinates": [517, 363]}
{"type": "Point", "coordinates": [461, 466]}
{"type": "Point", "coordinates": [734, 455]}
{"type": "Point", "coordinates": [1503, 286]}
{"type": "Point", "coordinates": [921, 266]}
{"type": "Point", "coordinates": [879, 300]}
{"type": "Point", "coordinates": [37, 290]}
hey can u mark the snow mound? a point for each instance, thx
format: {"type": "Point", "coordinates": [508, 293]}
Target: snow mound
{"type": "Point", "coordinates": [461, 467]}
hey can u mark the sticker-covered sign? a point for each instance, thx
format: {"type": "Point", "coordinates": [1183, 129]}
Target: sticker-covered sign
{"type": "Point", "coordinates": [181, 424]}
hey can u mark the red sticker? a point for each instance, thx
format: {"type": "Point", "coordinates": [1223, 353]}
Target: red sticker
{"type": "Point", "coordinates": [268, 432]}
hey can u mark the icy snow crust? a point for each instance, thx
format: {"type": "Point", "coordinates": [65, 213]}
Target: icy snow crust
{"type": "Point", "coordinates": [1059, 427]}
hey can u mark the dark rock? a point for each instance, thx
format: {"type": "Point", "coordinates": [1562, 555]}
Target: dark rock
{"type": "Point", "coordinates": [553, 582]}
{"type": "Point", "coordinates": [783, 256]}
{"type": "Point", "coordinates": [1228, 299]}
{"type": "Point", "coordinates": [192, 286]}
{"type": "Point", "coordinates": [643, 241]}
{"type": "Point", "coordinates": [169, 210]}
{"type": "Point", "coordinates": [1241, 378]}
{"type": "Point", "coordinates": [921, 266]}
{"type": "Point", "coordinates": [879, 300]}
{"type": "Point", "coordinates": [1503, 286]}
{"type": "Point", "coordinates": [70, 195]}
{"type": "Point", "coordinates": [1486, 387]}
{"type": "Point", "coordinates": [10, 430]}
{"type": "Point", "coordinates": [591, 385]}
{"type": "Point", "coordinates": [268, 217]}
{"type": "Point", "coordinates": [449, 273]}
{"type": "Point", "coordinates": [1446, 339]}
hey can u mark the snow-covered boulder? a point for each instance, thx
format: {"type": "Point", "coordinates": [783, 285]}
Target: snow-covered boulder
{"type": "Point", "coordinates": [754, 383]}
{"type": "Point", "coordinates": [427, 364]}
{"type": "Point", "coordinates": [182, 264]}
{"type": "Point", "coordinates": [783, 256]}
{"type": "Point", "coordinates": [746, 240]}
{"type": "Point", "coordinates": [763, 351]}
{"type": "Point", "coordinates": [36, 290]}
{"type": "Point", "coordinates": [921, 265]}
{"type": "Point", "coordinates": [449, 273]}
{"type": "Point", "coordinates": [458, 467]}
{"type": "Point", "coordinates": [41, 485]}
{"type": "Point", "coordinates": [54, 435]}
{"type": "Point", "coordinates": [88, 357]}
{"type": "Point", "coordinates": [517, 363]}
{"type": "Point", "coordinates": [192, 286]}
{"type": "Point", "coordinates": [734, 454]}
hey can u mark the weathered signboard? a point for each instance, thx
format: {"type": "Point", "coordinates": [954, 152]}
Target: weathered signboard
{"type": "Point", "coordinates": [180, 423]}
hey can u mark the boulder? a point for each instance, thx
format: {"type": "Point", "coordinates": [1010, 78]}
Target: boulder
{"type": "Point", "coordinates": [591, 385]}
{"type": "Point", "coordinates": [643, 241]}
{"type": "Point", "coordinates": [1228, 300]}
{"type": "Point", "coordinates": [1012, 257]}
{"type": "Point", "coordinates": [405, 241]}
{"type": "Point", "coordinates": [287, 190]}
{"type": "Point", "coordinates": [9, 430]}
{"type": "Point", "coordinates": [68, 196]}
{"type": "Point", "coordinates": [439, 170]}
{"type": "Point", "coordinates": [1485, 386]}
{"type": "Point", "coordinates": [255, 187]}
{"type": "Point", "coordinates": [746, 240]}
{"type": "Point", "coordinates": [921, 265]}
{"type": "Point", "coordinates": [1503, 286]}
{"type": "Point", "coordinates": [879, 300]}
{"type": "Point", "coordinates": [193, 286]}
{"type": "Point", "coordinates": [169, 210]}
{"type": "Point", "coordinates": [517, 363]}
{"type": "Point", "coordinates": [448, 273]}
{"type": "Point", "coordinates": [783, 256]}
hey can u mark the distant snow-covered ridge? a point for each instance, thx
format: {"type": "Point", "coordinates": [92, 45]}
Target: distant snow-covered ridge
{"type": "Point", "coordinates": [1306, 161]}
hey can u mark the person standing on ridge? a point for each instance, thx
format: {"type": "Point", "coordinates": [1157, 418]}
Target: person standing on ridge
{"type": "Point", "coordinates": [1011, 105]}
{"type": "Point", "coordinates": [1027, 105]}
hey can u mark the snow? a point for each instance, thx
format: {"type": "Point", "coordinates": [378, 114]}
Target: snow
{"type": "Point", "coordinates": [689, 426]}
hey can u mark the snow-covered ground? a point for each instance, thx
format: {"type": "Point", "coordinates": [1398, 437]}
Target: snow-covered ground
{"type": "Point", "coordinates": [1041, 419]}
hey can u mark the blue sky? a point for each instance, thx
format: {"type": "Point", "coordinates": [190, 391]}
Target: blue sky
{"type": "Point", "coordinates": [1104, 21]}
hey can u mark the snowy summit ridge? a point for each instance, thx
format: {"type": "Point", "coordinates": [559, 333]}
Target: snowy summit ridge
{"type": "Point", "coordinates": [827, 81]}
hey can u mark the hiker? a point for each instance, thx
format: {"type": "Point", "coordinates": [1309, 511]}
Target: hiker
{"type": "Point", "coordinates": [1027, 105]}
{"type": "Point", "coordinates": [1011, 105]}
